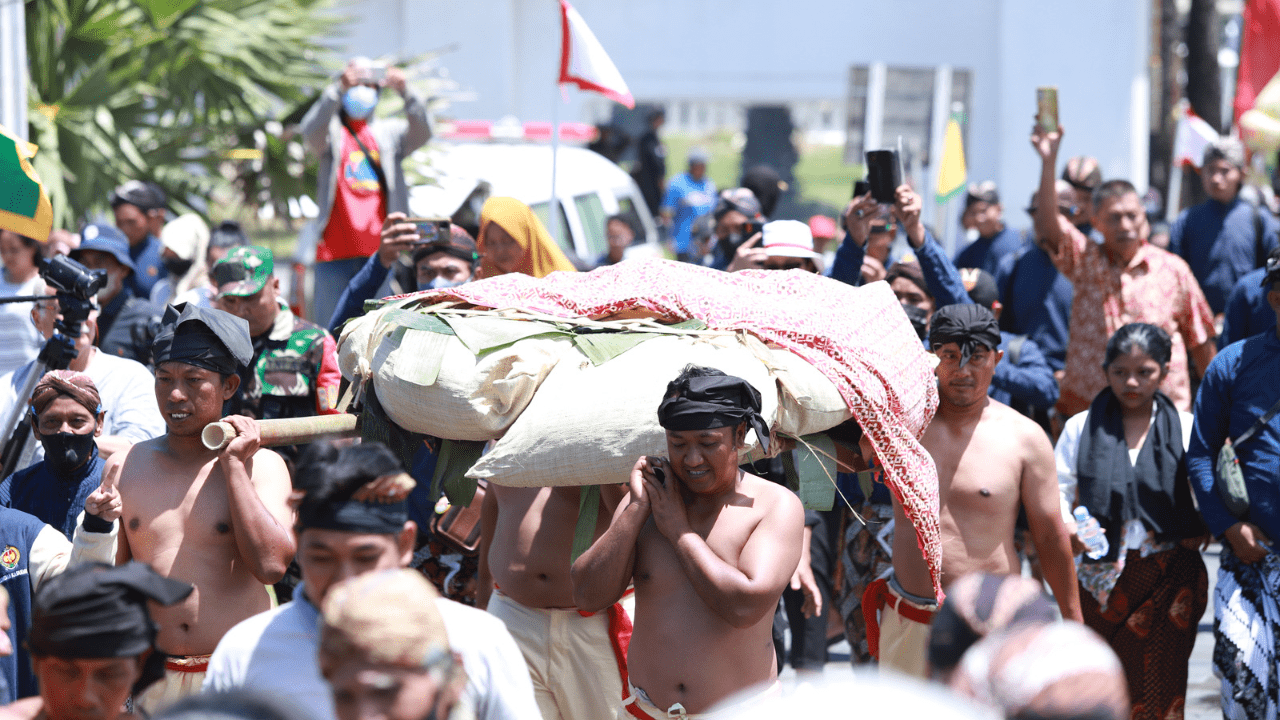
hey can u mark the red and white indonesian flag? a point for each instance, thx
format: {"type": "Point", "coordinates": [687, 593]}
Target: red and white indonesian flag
{"type": "Point", "coordinates": [584, 62]}
{"type": "Point", "coordinates": [1192, 137]}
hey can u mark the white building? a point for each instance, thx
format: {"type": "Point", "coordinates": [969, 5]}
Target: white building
{"type": "Point", "coordinates": [706, 59]}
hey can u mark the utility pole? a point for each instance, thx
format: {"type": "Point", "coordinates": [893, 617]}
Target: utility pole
{"type": "Point", "coordinates": [13, 67]}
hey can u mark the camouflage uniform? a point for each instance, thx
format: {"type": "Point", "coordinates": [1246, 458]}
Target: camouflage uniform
{"type": "Point", "coordinates": [294, 371]}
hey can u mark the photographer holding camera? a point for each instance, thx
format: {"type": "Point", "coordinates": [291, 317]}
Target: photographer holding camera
{"type": "Point", "coordinates": [360, 176]}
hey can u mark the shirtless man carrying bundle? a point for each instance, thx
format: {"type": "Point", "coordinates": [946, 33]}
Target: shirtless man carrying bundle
{"type": "Point", "coordinates": [991, 461]}
{"type": "Point", "coordinates": [577, 661]}
{"type": "Point", "coordinates": [216, 519]}
{"type": "Point", "coordinates": [710, 549]}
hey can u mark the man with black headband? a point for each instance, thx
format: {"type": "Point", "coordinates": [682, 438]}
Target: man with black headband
{"type": "Point", "coordinates": [710, 549]}
{"type": "Point", "coordinates": [991, 461]}
{"type": "Point", "coordinates": [216, 518]}
{"type": "Point", "coordinates": [93, 642]}
{"type": "Point", "coordinates": [354, 520]}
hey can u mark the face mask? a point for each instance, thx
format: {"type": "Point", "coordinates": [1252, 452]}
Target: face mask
{"type": "Point", "coordinates": [359, 101]}
{"type": "Point", "coordinates": [439, 283]}
{"type": "Point", "coordinates": [919, 319]}
{"type": "Point", "coordinates": [177, 267]}
{"type": "Point", "coordinates": [66, 451]}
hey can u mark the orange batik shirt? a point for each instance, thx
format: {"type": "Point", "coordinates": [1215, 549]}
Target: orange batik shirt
{"type": "Point", "coordinates": [1156, 287]}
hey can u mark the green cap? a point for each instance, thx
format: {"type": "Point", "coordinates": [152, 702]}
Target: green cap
{"type": "Point", "coordinates": [244, 271]}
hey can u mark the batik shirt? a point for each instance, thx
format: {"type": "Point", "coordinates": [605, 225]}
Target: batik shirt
{"type": "Point", "coordinates": [294, 371]}
{"type": "Point", "coordinates": [1155, 287]}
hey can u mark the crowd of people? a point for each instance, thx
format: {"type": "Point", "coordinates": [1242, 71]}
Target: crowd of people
{"type": "Point", "coordinates": [1107, 409]}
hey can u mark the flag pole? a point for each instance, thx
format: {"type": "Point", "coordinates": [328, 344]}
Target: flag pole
{"type": "Point", "coordinates": [553, 212]}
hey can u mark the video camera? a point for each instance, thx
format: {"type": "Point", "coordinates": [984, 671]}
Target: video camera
{"type": "Point", "coordinates": [76, 286]}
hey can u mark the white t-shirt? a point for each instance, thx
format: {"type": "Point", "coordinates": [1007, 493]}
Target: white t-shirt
{"type": "Point", "coordinates": [275, 652]}
{"type": "Point", "coordinates": [127, 389]}
{"type": "Point", "coordinates": [22, 341]}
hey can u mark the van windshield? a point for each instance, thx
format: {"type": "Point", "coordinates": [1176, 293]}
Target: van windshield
{"type": "Point", "coordinates": [561, 231]}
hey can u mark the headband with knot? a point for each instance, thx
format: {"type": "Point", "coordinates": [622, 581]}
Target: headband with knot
{"type": "Point", "coordinates": [967, 326]}
{"type": "Point", "coordinates": [713, 401]}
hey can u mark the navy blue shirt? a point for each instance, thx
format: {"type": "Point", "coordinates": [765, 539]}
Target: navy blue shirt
{"type": "Point", "coordinates": [56, 500]}
{"type": "Point", "coordinates": [1037, 301]}
{"type": "Point", "coordinates": [18, 532]}
{"type": "Point", "coordinates": [1028, 381]}
{"type": "Point", "coordinates": [986, 252]}
{"type": "Point", "coordinates": [1220, 243]}
{"type": "Point", "coordinates": [1238, 388]}
{"type": "Point", "coordinates": [1248, 312]}
{"type": "Point", "coordinates": [146, 261]}
{"type": "Point", "coordinates": [364, 286]}
{"type": "Point", "coordinates": [940, 275]}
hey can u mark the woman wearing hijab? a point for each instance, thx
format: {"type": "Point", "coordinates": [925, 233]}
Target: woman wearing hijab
{"type": "Point", "coordinates": [513, 239]}
{"type": "Point", "coordinates": [1123, 460]}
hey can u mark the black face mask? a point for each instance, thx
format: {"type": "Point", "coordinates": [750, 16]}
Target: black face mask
{"type": "Point", "coordinates": [919, 319]}
{"type": "Point", "coordinates": [177, 267]}
{"type": "Point", "coordinates": [66, 451]}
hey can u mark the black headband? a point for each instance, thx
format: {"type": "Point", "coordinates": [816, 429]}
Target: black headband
{"type": "Point", "coordinates": [354, 516]}
{"type": "Point", "coordinates": [966, 325]}
{"type": "Point", "coordinates": [204, 337]}
{"type": "Point", "coordinates": [97, 611]}
{"type": "Point", "coordinates": [713, 401]}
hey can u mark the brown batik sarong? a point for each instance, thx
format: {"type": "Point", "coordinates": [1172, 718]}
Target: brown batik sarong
{"type": "Point", "coordinates": [1150, 621]}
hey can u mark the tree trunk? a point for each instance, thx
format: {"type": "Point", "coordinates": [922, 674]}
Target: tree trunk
{"type": "Point", "coordinates": [1204, 86]}
{"type": "Point", "coordinates": [1165, 84]}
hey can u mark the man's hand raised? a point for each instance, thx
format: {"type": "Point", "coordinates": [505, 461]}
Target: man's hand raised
{"type": "Point", "coordinates": [858, 215]}
{"type": "Point", "coordinates": [105, 502]}
{"type": "Point", "coordinates": [749, 256]}
{"type": "Point", "coordinates": [1046, 144]}
{"type": "Point", "coordinates": [397, 236]}
{"type": "Point", "coordinates": [906, 208]}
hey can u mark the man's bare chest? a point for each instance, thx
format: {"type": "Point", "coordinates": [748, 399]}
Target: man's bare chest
{"type": "Point", "coordinates": [165, 510]}
{"type": "Point", "coordinates": [726, 534]}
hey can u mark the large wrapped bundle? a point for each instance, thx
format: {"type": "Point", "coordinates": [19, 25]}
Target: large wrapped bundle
{"type": "Point", "coordinates": [588, 423]}
{"type": "Point", "coordinates": [566, 371]}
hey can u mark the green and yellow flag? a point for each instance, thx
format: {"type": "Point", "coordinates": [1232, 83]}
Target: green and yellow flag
{"type": "Point", "coordinates": [951, 172]}
{"type": "Point", "coordinates": [24, 208]}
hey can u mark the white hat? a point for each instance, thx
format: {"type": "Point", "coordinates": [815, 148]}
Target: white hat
{"type": "Point", "coordinates": [788, 238]}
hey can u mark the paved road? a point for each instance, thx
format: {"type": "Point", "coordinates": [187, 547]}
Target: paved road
{"type": "Point", "coordinates": [1203, 689]}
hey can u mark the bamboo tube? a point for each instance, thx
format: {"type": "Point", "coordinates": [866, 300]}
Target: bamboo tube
{"type": "Point", "coordinates": [284, 431]}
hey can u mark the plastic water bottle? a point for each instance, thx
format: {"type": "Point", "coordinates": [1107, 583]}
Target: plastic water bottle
{"type": "Point", "coordinates": [1091, 534]}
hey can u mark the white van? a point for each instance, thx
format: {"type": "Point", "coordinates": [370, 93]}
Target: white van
{"type": "Point", "coordinates": [589, 188]}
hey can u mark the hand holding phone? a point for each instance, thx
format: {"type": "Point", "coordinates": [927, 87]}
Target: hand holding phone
{"type": "Point", "coordinates": [656, 465]}
{"type": "Point", "coordinates": [431, 230]}
{"type": "Point", "coordinates": [860, 188]}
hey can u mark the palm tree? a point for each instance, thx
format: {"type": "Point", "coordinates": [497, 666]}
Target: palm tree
{"type": "Point", "coordinates": [169, 91]}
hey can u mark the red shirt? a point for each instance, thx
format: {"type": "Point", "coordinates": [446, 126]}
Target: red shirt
{"type": "Point", "coordinates": [355, 221]}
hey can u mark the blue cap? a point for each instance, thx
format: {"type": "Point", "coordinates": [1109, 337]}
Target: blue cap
{"type": "Point", "coordinates": [107, 239]}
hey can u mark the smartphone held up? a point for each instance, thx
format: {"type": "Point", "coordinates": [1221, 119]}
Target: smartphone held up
{"type": "Point", "coordinates": [1047, 109]}
{"type": "Point", "coordinates": [431, 230]}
